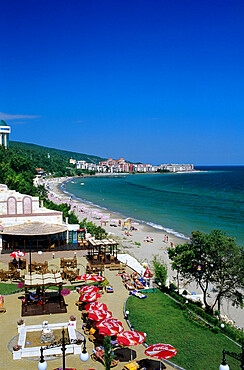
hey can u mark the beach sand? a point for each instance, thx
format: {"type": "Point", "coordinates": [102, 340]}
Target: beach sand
{"type": "Point", "coordinates": [134, 243]}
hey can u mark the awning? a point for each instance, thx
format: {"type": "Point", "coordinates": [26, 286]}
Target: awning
{"type": "Point", "coordinates": [43, 279]}
{"type": "Point", "coordinates": [34, 229]}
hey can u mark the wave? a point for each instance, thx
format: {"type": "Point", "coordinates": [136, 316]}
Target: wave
{"type": "Point", "coordinates": [170, 231]}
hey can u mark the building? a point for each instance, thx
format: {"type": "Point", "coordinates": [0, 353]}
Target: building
{"type": "Point", "coordinates": [4, 134]}
{"type": "Point", "coordinates": [24, 224]}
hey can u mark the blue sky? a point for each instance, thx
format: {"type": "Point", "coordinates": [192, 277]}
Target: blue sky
{"type": "Point", "coordinates": [152, 81]}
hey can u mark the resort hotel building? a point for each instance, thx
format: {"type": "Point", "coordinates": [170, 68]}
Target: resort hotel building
{"type": "Point", "coordinates": [26, 224]}
{"type": "Point", "coordinates": [4, 134]}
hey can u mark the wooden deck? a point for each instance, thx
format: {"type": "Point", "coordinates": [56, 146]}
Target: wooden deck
{"type": "Point", "coordinates": [52, 306]}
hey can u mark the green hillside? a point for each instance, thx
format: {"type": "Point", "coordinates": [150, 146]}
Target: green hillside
{"type": "Point", "coordinates": [52, 160]}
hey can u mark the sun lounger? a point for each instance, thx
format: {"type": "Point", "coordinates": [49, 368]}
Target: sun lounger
{"type": "Point", "coordinates": [129, 286]}
{"type": "Point", "coordinates": [131, 366]}
{"type": "Point", "coordinates": [139, 285]}
{"type": "Point", "coordinates": [138, 294]}
{"type": "Point", "coordinates": [109, 289]}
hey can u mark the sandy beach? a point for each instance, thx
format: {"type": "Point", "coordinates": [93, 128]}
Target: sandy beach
{"type": "Point", "coordinates": [134, 242]}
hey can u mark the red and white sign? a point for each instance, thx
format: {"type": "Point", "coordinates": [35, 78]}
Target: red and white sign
{"type": "Point", "coordinates": [147, 274]}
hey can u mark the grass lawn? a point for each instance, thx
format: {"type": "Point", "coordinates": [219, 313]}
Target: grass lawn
{"type": "Point", "coordinates": [164, 322]}
{"type": "Point", "coordinates": [8, 288]}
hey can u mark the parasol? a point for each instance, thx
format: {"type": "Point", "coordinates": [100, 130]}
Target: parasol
{"type": "Point", "coordinates": [160, 351]}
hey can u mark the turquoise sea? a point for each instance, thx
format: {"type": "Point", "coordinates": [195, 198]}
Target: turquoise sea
{"type": "Point", "coordinates": [178, 203]}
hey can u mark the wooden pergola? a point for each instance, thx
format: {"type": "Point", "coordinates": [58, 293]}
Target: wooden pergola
{"type": "Point", "coordinates": [102, 251]}
{"type": "Point", "coordinates": [40, 304]}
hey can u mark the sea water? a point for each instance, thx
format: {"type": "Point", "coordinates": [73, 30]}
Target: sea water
{"type": "Point", "coordinates": [178, 203]}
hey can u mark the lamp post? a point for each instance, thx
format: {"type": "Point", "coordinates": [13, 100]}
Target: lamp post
{"type": "Point", "coordinates": [237, 356]}
{"type": "Point", "coordinates": [84, 356]}
{"type": "Point", "coordinates": [42, 365]}
{"type": "Point", "coordinates": [127, 314]}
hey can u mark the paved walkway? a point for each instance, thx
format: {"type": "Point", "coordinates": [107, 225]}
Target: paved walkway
{"type": "Point", "coordinates": [114, 301]}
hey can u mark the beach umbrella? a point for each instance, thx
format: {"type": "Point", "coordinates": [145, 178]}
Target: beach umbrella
{"type": "Point", "coordinates": [89, 297]}
{"type": "Point", "coordinates": [99, 315]}
{"type": "Point", "coordinates": [97, 278]}
{"type": "Point", "coordinates": [96, 306]}
{"type": "Point", "coordinates": [131, 338]}
{"type": "Point", "coordinates": [147, 274]}
{"type": "Point", "coordinates": [160, 351]}
{"type": "Point", "coordinates": [84, 277]}
{"type": "Point", "coordinates": [17, 254]}
{"type": "Point", "coordinates": [89, 289]}
{"type": "Point", "coordinates": [110, 327]}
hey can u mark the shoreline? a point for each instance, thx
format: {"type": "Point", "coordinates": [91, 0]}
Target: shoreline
{"type": "Point", "coordinates": [134, 243]}
{"type": "Point", "coordinates": [151, 225]}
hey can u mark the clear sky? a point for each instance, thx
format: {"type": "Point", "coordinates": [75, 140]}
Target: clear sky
{"type": "Point", "coordinates": [155, 81]}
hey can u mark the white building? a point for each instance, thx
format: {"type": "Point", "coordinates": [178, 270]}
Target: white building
{"type": "Point", "coordinates": [23, 223]}
{"type": "Point", "coordinates": [4, 134]}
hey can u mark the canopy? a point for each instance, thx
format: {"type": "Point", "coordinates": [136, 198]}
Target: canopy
{"type": "Point", "coordinates": [110, 327]}
{"type": "Point", "coordinates": [34, 228]}
{"type": "Point", "coordinates": [43, 279]}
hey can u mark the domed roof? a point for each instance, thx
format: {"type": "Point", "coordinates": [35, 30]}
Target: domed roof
{"type": "Point", "coordinates": [3, 123]}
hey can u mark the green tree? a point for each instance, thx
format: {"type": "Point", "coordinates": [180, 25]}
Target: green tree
{"type": "Point", "coordinates": [160, 270]}
{"type": "Point", "coordinates": [213, 261]}
{"type": "Point", "coordinates": [108, 352]}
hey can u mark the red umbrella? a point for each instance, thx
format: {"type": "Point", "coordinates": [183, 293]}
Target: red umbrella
{"type": "Point", "coordinates": [161, 351]}
{"type": "Point", "coordinates": [89, 289]}
{"type": "Point", "coordinates": [131, 338]}
{"type": "Point", "coordinates": [110, 327]}
{"type": "Point", "coordinates": [84, 277]}
{"type": "Point", "coordinates": [147, 274]}
{"type": "Point", "coordinates": [97, 278]}
{"type": "Point", "coordinates": [99, 315]}
{"type": "Point", "coordinates": [17, 254]}
{"type": "Point", "coordinates": [89, 297]}
{"type": "Point", "coordinates": [96, 306]}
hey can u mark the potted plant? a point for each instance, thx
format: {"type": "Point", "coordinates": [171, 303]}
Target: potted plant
{"type": "Point", "coordinates": [72, 321]}
{"type": "Point", "coordinates": [16, 348]}
{"type": "Point", "coordinates": [20, 324]}
{"type": "Point", "coordinates": [17, 352]}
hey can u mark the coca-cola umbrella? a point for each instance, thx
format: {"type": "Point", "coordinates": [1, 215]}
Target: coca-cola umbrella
{"type": "Point", "coordinates": [147, 274]}
{"type": "Point", "coordinates": [131, 338]}
{"type": "Point", "coordinates": [90, 297]}
{"type": "Point", "coordinates": [84, 277]}
{"type": "Point", "coordinates": [89, 289]}
{"type": "Point", "coordinates": [96, 306]}
{"type": "Point", "coordinates": [99, 315]}
{"type": "Point", "coordinates": [17, 254]}
{"type": "Point", "coordinates": [97, 278]}
{"type": "Point", "coordinates": [161, 351]}
{"type": "Point", "coordinates": [110, 327]}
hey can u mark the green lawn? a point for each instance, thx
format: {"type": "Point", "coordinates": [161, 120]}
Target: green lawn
{"type": "Point", "coordinates": [8, 288]}
{"type": "Point", "coordinates": [164, 322]}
